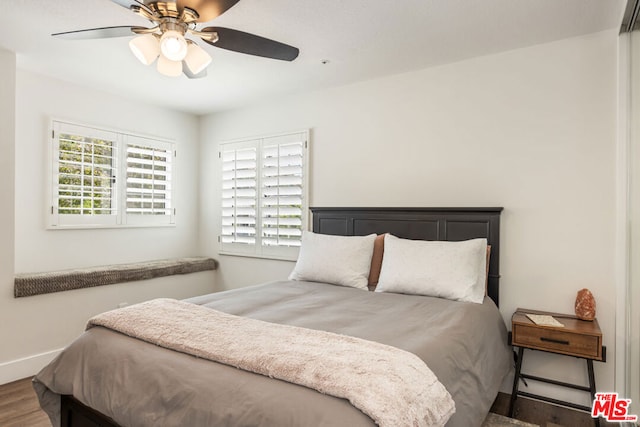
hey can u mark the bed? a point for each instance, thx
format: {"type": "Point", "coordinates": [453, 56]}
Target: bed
{"type": "Point", "coordinates": [106, 378]}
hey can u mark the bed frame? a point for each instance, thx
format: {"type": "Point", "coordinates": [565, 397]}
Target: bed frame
{"type": "Point", "coordinates": [450, 224]}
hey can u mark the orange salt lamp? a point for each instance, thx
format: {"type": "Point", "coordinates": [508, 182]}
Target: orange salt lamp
{"type": "Point", "coordinates": [585, 305]}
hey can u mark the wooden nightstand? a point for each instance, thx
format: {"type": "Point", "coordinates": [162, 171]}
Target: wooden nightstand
{"type": "Point", "coordinates": [578, 338]}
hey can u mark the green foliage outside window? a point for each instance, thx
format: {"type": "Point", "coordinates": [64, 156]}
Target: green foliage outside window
{"type": "Point", "coordinates": [85, 175]}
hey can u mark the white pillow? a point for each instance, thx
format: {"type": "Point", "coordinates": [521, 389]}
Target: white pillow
{"type": "Point", "coordinates": [452, 270]}
{"type": "Point", "coordinates": [339, 260]}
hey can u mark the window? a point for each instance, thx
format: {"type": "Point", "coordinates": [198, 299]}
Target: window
{"type": "Point", "coordinates": [103, 178]}
{"type": "Point", "coordinates": [264, 195]}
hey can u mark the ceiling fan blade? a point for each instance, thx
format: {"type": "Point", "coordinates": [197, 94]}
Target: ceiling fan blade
{"type": "Point", "coordinates": [96, 33]}
{"type": "Point", "coordinates": [128, 3]}
{"type": "Point", "coordinates": [239, 41]}
{"type": "Point", "coordinates": [187, 72]}
{"type": "Point", "coordinates": [207, 9]}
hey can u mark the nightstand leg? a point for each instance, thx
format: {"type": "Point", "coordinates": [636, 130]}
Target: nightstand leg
{"type": "Point", "coordinates": [592, 386]}
{"type": "Point", "coordinates": [516, 381]}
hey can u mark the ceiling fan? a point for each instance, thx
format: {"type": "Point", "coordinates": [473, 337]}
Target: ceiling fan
{"type": "Point", "coordinates": [173, 20]}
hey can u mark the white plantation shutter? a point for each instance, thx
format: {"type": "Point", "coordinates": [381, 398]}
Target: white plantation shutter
{"type": "Point", "coordinates": [239, 193]}
{"type": "Point", "coordinates": [282, 190]}
{"type": "Point", "coordinates": [149, 170]}
{"type": "Point", "coordinates": [103, 178]}
{"type": "Point", "coordinates": [264, 195]}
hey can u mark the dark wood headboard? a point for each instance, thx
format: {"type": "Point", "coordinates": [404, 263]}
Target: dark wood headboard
{"type": "Point", "coordinates": [451, 224]}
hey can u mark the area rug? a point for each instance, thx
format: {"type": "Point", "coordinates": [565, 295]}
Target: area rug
{"type": "Point", "coordinates": [495, 420]}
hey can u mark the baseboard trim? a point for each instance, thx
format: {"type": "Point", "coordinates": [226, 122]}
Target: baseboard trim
{"type": "Point", "coordinates": [26, 366]}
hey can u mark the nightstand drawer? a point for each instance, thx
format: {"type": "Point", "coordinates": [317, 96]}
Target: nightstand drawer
{"type": "Point", "coordinates": [573, 344]}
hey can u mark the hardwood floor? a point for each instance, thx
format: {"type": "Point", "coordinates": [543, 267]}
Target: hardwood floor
{"type": "Point", "coordinates": [19, 406]}
{"type": "Point", "coordinates": [544, 414]}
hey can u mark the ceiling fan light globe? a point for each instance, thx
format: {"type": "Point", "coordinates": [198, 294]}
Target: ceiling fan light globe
{"type": "Point", "coordinates": [145, 48]}
{"type": "Point", "coordinates": [173, 45]}
{"type": "Point", "coordinates": [197, 58]}
{"type": "Point", "coordinates": [168, 67]}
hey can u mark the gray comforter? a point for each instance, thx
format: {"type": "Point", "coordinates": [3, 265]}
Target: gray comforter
{"type": "Point", "coordinates": [139, 384]}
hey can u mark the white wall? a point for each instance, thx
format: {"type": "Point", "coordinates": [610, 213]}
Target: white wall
{"type": "Point", "coordinates": [43, 324]}
{"type": "Point", "coordinates": [533, 130]}
{"type": "Point", "coordinates": [38, 99]}
{"type": "Point", "coordinates": [7, 138]}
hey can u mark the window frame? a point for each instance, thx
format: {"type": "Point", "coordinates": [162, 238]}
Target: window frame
{"type": "Point", "coordinates": [120, 219]}
{"type": "Point", "coordinates": [258, 250]}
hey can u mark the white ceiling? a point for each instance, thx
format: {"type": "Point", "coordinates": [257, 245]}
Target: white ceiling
{"type": "Point", "coordinates": [362, 39]}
